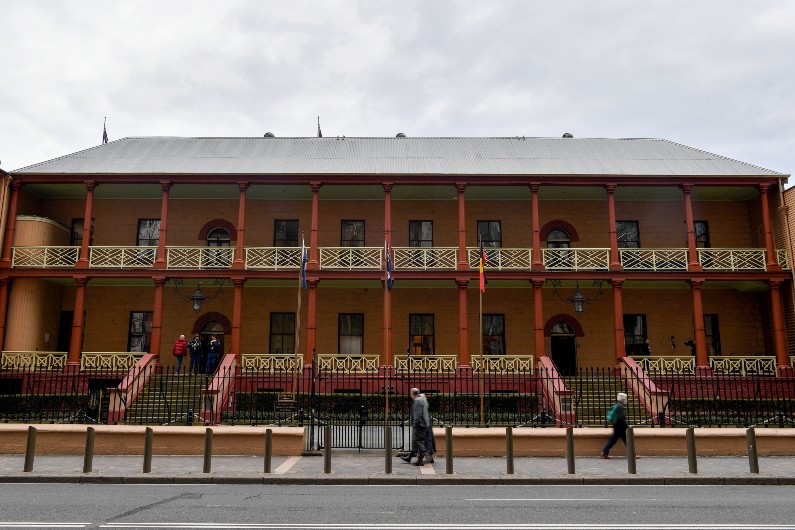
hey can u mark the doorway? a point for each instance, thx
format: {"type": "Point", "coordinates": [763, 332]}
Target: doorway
{"type": "Point", "coordinates": [564, 348]}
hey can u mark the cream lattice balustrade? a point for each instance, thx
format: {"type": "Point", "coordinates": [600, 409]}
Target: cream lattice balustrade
{"type": "Point", "coordinates": [781, 258]}
{"type": "Point", "coordinates": [743, 365]}
{"type": "Point", "coordinates": [273, 258]}
{"type": "Point", "coordinates": [501, 258]}
{"type": "Point", "coordinates": [424, 258]}
{"type": "Point", "coordinates": [271, 363]}
{"type": "Point", "coordinates": [348, 363]}
{"type": "Point", "coordinates": [43, 257]}
{"type": "Point", "coordinates": [101, 360]}
{"type": "Point", "coordinates": [122, 257]}
{"type": "Point", "coordinates": [199, 257]}
{"type": "Point", "coordinates": [426, 363]}
{"type": "Point", "coordinates": [748, 259]}
{"type": "Point", "coordinates": [667, 364]}
{"type": "Point", "coordinates": [503, 364]}
{"type": "Point", "coordinates": [653, 259]}
{"type": "Point", "coordinates": [33, 360]}
{"type": "Point", "coordinates": [577, 259]}
{"type": "Point", "coordinates": [350, 258]}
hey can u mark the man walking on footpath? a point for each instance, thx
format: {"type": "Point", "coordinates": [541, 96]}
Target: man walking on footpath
{"type": "Point", "coordinates": [618, 416]}
{"type": "Point", "coordinates": [180, 349]}
{"type": "Point", "coordinates": [421, 424]}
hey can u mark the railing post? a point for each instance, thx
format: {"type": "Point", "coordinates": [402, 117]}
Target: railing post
{"type": "Point", "coordinates": [631, 459]}
{"type": "Point", "coordinates": [448, 450]}
{"type": "Point", "coordinates": [88, 457]}
{"type": "Point", "coordinates": [30, 449]}
{"type": "Point", "coordinates": [327, 449]}
{"type": "Point", "coordinates": [148, 450]}
{"type": "Point", "coordinates": [268, 449]}
{"type": "Point", "coordinates": [753, 458]}
{"type": "Point", "coordinates": [692, 463]}
{"type": "Point", "coordinates": [509, 450]}
{"type": "Point", "coordinates": [388, 449]}
{"type": "Point", "coordinates": [570, 449]}
{"type": "Point", "coordinates": [208, 450]}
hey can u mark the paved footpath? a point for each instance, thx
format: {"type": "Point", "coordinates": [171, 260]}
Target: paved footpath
{"type": "Point", "coordinates": [368, 467]}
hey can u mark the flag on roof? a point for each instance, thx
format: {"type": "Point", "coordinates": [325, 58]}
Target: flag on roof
{"type": "Point", "coordinates": [105, 131]}
{"type": "Point", "coordinates": [319, 134]}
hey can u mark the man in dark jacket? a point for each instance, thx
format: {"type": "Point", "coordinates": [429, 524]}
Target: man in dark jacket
{"type": "Point", "coordinates": [619, 425]}
{"type": "Point", "coordinates": [213, 349]}
{"type": "Point", "coordinates": [180, 349]}
{"type": "Point", "coordinates": [195, 351]}
{"type": "Point", "coordinates": [421, 425]}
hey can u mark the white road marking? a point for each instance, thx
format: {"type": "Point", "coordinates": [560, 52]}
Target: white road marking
{"type": "Point", "coordinates": [31, 524]}
{"type": "Point", "coordinates": [285, 467]}
{"type": "Point", "coordinates": [445, 526]}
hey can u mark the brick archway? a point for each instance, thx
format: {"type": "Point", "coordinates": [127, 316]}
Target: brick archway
{"type": "Point", "coordinates": [209, 317]}
{"type": "Point", "coordinates": [566, 319]}
{"type": "Point", "coordinates": [218, 223]}
{"type": "Point", "coordinates": [559, 224]}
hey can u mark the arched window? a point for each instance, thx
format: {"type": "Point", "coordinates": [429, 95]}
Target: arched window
{"type": "Point", "coordinates": [558, 238]}
{"type": "Point", "coordinates": [218, 237]}
{"type": "Point", "coordinates": [562, 328]}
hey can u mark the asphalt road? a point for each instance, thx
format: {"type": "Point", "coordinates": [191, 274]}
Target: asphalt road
{"type": "Point", "coordinates": [399, 507]}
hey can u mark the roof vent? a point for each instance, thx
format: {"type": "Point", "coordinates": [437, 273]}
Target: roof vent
{"type": "Point", "coordinates": [400, 135]}
{"type": "Point", "coordinates": [568, 135]}
{"type": "Point", "coordinates": [270, 135]}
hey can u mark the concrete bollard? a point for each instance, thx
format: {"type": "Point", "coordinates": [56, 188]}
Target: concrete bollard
{"type": "Point", "coordinates": [208, 450]}
{"type": "Point", "coordinates": [150, 434]}
{"type": "Point", "coordinates": [753, 457]}
{"type": "Point", "coordinates": [268, 449]}
{"type": "Point", "coordinates": [692, 463]}
{"type": "Point", "coordinates": [327, 449]}
{"type": "Point", "coordinates": [30, 449]}
{"type": "Point", "coordinates": [88, 456]}
{"type": "Point", "coordinates": [570, 449]}
{"type": "Point", "coordinates": [631, 457]}
{"type": "Point", "coordinates": [448, 450]}
{"type": "Point", "coordinates": [388, 449]}
{"type": "Point", "coordinates": [509, 450]}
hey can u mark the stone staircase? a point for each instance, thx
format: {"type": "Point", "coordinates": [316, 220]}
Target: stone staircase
{"type": "Point", "coordinates": [594, 393]}
{"type": "Point", "coordinates": [167, 400]}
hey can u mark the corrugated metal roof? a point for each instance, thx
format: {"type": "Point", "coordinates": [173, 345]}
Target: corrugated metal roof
{"type": "Point", "coordinates": [373, 156]}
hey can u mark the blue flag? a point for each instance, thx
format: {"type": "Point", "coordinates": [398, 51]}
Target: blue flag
{"type": "Point", "coordinates": [389, 279]}
{"type": "Point", "coordinates": [304, 261]}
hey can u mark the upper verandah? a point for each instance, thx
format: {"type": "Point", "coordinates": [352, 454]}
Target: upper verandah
{"type": "Point", "coordinates": [514, 156]}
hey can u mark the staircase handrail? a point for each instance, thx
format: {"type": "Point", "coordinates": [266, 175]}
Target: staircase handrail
{"type": "Point", "coordinates": [217, 394]}
{"type": "Point", "coordinates": [653, 399]}
{"type": "Point", "coordinates": [555, 393]}
{"type": "Point", "coordinates": [124, 395]}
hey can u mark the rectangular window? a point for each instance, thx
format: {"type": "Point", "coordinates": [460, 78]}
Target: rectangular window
{"type": "Point", "coordinates": [148, 232]}
{"type": "Point", "coordinates": [634, 334]}
{"type": "Point", "coordinates": [701, 229]}
{"type": "Point", "coordinates": [351, 333]}
{"type": "Point", "coordinates": [76, 238]}
{"type": "Point", "coordinates": [493, 334]}
{"type": "Point", "coordinates": [139, 336]}
{"type": "Point", "coordinates": [712, 331]}
{"type": "Point", "coordinates": [282, 333]}
{"type": "Point", "coordinates": [285, 233]}
{"type": "Point", "coordinates": [421, 234]}
{"type": "Point", "coordinates": [421, 334]}
{"type": "Point", "coordinates": [352, 234]}
{"type": "Point", "coordinates": [490, 233]}
{"type": "Point", "coordinates": [628, 234]}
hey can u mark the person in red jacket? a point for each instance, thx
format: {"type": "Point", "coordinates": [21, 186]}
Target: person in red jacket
{"type": "Point", "coordinates": [180, 349]}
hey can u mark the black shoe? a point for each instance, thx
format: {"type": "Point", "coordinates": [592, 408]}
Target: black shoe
{"type": "Point", "coordinates": [420, 462]}
{"type": "Point", "coordinates": [406, 459]}
{"type": "Point", "coordinates": [430, 460]}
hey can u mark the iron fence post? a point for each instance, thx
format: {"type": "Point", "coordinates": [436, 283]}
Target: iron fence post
{"type": "Point", "coordinates": [30, 449]}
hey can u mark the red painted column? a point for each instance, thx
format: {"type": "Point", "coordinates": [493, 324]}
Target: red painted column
{"type": "Point", "coordinates": [239, 262]}
{"type": "Point", "coordinates": [779, 332]}
{"type": "Point", "coordinates": [237, 316]}
{"type": "Point", "coordinates": [311, 320]}
{"type": "Point", "coordinates": [160, 259]}
{"type": "Point", "coordinates": [463, 259]}
{"type": "Point", "coordinates": [618, 317]}
{"type": "Point", "coordinates": [82, 260]}
{"type": "Point", "coordinates": [11, 224]}
{"type": "Point", "coordinates": [692, 254]}
{"type": "Point", "coordinates": [772, 260]}
{"type": "Point", "coordinates": [76, 342]}
{"type": "Point", "coordinates": [3, 309]}
{"type": "Point", "coordinates": [313, 263]}
{"type": "Point", "coordinates": [615, 259]}
{"type": "Point", "coordinates": [386, 351]}
{"type": "Point", "coordinates": [537, 257]}
{"type": "Point", "coordinates": [702, 359]}
{"type": "Point", "coordinates": [463, 328]}
{"type": "Point", "coordinates": [157, 316]}
{"type": "Point", "coordinates": [538, 317]}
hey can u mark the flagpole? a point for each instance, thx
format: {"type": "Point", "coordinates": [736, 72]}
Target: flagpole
{"type": "Point", "coordinates": [480, 328]}
{"type": "Point", "coordinates": [387, 310]}
{"type": "Point", "coordinates": [298, 316]}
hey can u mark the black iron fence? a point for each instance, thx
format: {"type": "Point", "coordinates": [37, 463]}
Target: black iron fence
{"type": "Point", "coordinates": [360, 404]}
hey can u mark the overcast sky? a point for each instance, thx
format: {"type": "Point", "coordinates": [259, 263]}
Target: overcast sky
{"type": "Point", "coordinates": [716, 75]}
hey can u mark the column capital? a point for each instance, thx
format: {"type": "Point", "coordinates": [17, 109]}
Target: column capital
{"type": "Point", "coordinates": [617, 282]}
{"type": "Point", "coordinates": [91, 184]}
{"type": "Point", "coordinates": [238, 282]}
{"type": "Point", "coordinates": [460, 187]}
{"type": "Point", "coordinates": [81, 280]}
{"type": "Point", "coordinates": [462, 282]}
{"type": "Point", "coordinates": [537, 282]}
{"type": "Point", "coordinates": [165, 185]}
{"type": "Point", "coordinates": [774, 284]}
{"type": "Point", "coordinates": [159, 280]}
{"type": "Point", "coordinates": [686, 187]}
{"type": "Point", "coordinates": [315, 185]}
{"type": "Point", "coordinates": [16, 185]}
{"type": "Point", "coordinates": [387, 186]}
{"type": "Point", "coordinates": [763, 187]}
{"type": "Point", "coordinates": [312, 283]}
{"type": "Point", "coordinates": [534, 186]}
{"type": "Point", "coordinates": [242, 186]}
{"type": "Point", "coordinates": [611, 187]}
{"type": "Point", "coordinates": [696, 283]}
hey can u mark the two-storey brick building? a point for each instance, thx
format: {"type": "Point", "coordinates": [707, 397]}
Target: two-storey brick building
{"type": "Point", "coordinates": [103, 249]}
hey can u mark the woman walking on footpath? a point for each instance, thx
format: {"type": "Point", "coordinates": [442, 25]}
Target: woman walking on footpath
{"type": "Point", "coordinates": [618, 416]}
